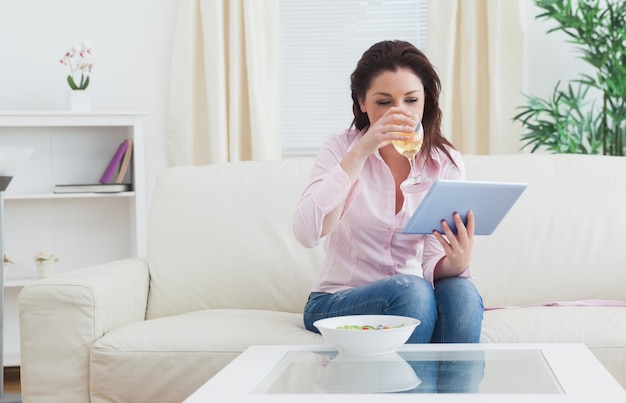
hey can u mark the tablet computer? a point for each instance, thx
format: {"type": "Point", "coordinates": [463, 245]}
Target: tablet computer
{"type": "Point", "coordinates": [490, 202]}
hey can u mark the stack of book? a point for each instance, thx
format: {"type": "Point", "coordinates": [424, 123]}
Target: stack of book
{"type": "Point", "coordinates": [112, 180]}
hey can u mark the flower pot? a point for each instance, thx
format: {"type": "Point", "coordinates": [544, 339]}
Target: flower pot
{"type": "Point", "coordinates": [79, 100]}
{"type": "Point", "coordinates": [45, 269]}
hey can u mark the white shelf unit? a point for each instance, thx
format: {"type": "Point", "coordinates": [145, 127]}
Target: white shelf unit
{"type": "Point", "coordinates": [82, 229]}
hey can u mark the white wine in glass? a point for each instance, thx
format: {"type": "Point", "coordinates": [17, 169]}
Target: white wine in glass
{"type": "Point", "coordinates": [409, 148]}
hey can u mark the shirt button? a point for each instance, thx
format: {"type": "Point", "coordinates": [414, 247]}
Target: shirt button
{"type": "Point", "coordinates": [386, 247]}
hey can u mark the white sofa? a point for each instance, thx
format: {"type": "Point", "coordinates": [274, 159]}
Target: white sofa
{"type": "Point", "coordinates": [224, 272]}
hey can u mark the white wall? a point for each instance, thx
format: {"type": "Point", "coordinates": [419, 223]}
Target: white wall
{"type": "Point", "coordinates": [550, 57]}
{"type": "Point", "coordinates": [131, 40]}
{"type": "Point", "coordinates": [132, 43]}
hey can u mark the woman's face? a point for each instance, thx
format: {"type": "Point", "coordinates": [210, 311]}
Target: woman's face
{"type": "Point", "coordinates": [399, 88]}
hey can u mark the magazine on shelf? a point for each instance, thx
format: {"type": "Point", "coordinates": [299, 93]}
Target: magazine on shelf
{"type": "Point", "coordinates": [125, 162]}
{"type": "Point", "coordinates": [93, 188]}
{"type": "Point", "coordinates": [113, 166]}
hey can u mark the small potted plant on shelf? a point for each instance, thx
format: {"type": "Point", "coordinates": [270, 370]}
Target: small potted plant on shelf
{"type": "Point", "coordinates": [7, 262]}
{"type": "Point", "coordinates": [45, 263]}
{"type": "Point", "coordinates": [79, 59]}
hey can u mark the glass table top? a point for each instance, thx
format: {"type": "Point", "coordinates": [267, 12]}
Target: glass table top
{"type": "Point", "coordinates": [479, 371]}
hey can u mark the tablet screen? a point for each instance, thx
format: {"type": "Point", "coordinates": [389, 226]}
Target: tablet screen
{"type": "Point", "coordinates": [490, 202]}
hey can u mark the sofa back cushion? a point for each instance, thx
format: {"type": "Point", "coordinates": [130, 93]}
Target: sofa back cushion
{"type": "Point", "coordinates": [221, 236]}
{"type": "Point", "coordinates": [564, 239]}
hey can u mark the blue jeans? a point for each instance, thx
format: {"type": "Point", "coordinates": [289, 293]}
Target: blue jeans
{"type": "Point", "coordinates": [452, 312]}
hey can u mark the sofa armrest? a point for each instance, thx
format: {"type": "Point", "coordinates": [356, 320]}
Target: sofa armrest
{"type": "Point", "coordinates": [62, 316]}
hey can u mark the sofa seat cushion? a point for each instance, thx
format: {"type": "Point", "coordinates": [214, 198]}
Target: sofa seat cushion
{"type": "Point", "coordinates": [602, 329]}
{"type": "Point", "coordinates": [183, 351]}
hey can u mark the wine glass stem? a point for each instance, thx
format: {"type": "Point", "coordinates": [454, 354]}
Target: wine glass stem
{"type": "Point", "coordinates": [413, 169]}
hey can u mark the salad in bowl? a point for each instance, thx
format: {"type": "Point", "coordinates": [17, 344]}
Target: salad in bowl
{"type": "Point", "coordinates": [367, 335]}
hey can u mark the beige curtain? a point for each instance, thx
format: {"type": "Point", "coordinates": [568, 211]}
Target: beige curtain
{"type": "Point", "coordinates": [477, 47]}
{"type": "Point", "coordinates": [224, 88]}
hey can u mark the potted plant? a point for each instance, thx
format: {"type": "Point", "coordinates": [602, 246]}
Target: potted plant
{"type": "Point", "coordinates": [569, 122]}
{"type": "Point", "coordinates": [79, 59]}
{"type": "Point", "coordinates": [45, 263]}
{"type": "Point", "coordinates": [6, 263]}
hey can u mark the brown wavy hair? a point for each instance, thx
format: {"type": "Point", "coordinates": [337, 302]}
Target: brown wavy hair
{"type": "Point", "coordinates": [391, 56]}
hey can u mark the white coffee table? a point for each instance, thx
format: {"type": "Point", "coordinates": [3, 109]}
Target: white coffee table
{"type": "Point", "coordinates": [437, 372]}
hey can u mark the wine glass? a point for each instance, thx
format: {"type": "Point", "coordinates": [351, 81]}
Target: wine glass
{"type": "Point", "coordinates": [409, 148]}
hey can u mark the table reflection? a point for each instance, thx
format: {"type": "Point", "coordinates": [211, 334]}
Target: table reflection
{"type": "Point", "coordinates": [461, 375]}
{"type": "Point", "coordinates": [393, 373]}
{"type": "Point", "coordinates": [435, 371]}
{"type": "Point", "coordinates": [372, 374]}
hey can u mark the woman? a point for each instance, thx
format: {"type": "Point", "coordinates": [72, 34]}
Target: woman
{"type": "Point", "coordinates": [354, 204]}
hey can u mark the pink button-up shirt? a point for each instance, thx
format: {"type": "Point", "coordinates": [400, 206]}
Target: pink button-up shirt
{"type": "Point", "coordinates": [368, 243]}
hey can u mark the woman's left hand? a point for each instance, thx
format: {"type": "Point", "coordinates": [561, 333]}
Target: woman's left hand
{"type": "Point", "coordinates": [458, 247]}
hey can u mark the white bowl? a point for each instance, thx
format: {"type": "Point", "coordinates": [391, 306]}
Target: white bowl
{"type": "Point", "coordinates": [368, 374]}
{"type": "Point", "coordinates": [367, 342]}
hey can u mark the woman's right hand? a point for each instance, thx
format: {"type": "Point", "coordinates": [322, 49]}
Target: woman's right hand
{"type": "Point", "coordinates": [380, 133]}
{"type": "Point", "coordinates": [395, 120]}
